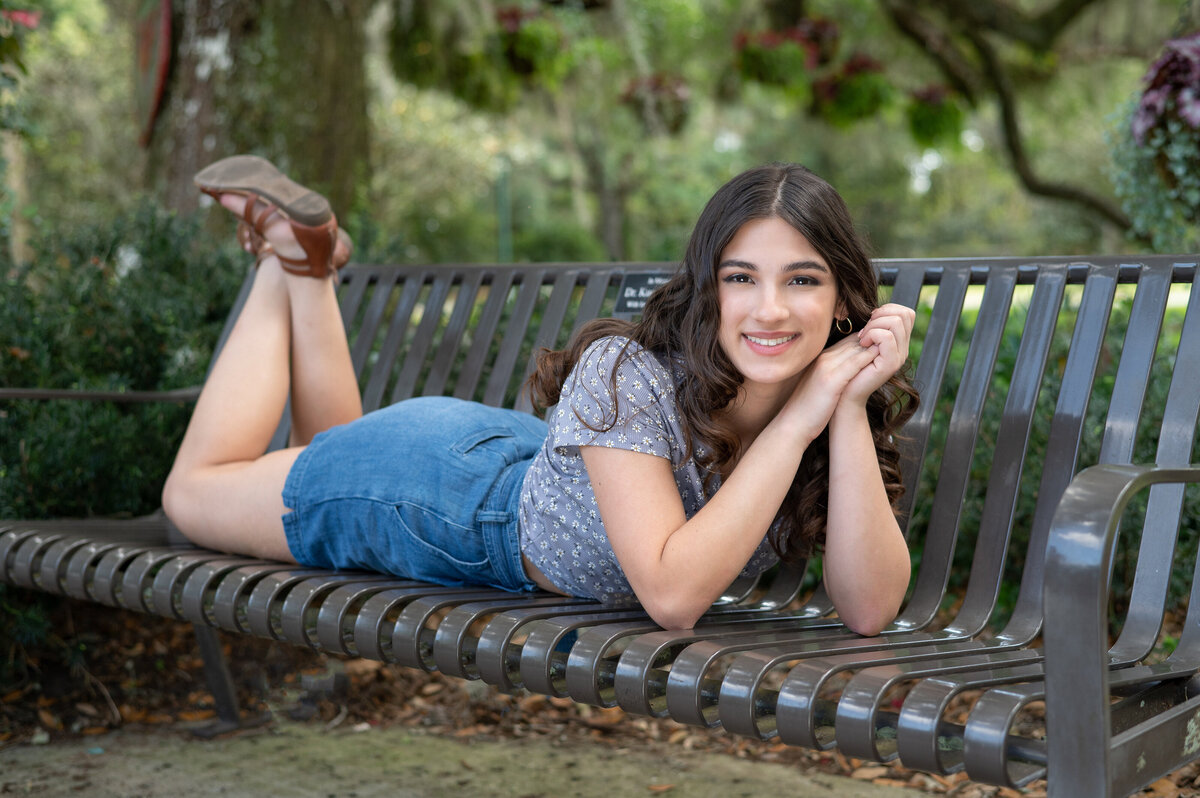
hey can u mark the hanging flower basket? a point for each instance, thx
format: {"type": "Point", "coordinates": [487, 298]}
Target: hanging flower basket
{"type": "Point", "coordinates": [1167, 119]}
{"type": "Point", "coordinates": [935, 117]}
{"type": "Point", "coordinates": [857, 91]}
{"type": "Point", "coordinates": [785, 58]}
{"type": "Point", "coordinates": [668, 95]}
{"type": "Point", "coordinates": [1156, 150]}
{"type": "Point", "coordinates": [530, 41]}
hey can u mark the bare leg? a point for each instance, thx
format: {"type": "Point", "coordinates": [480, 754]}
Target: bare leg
{"type": "Point", "coordinates": [223, 491]}
{"type": "Point", "coordinates": [324, 387]}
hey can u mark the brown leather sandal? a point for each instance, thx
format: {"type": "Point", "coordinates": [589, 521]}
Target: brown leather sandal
{"type": "Point", "coordinates": [269, 193]}
{"type": "Point", "coordinates": [261, 249]}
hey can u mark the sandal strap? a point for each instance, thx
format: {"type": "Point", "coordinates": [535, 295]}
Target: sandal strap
{"type": "Point", "coordinates": [250, 241]}
{"type": "Point", "coordinates": [259, 221]}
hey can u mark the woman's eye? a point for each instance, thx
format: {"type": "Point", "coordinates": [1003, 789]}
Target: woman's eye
{"type": "Point", "coordinates": [737, 277]}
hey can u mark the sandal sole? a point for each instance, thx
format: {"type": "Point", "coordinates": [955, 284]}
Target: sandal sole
{"type": "Point", "coordinates": [245, 174]}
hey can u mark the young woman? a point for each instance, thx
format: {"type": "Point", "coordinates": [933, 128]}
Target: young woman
{"type": "Point", "coordinates": [749, 416]}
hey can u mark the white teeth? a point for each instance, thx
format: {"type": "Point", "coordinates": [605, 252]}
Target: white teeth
{"type": "Point", "coordinates": [770, 341]}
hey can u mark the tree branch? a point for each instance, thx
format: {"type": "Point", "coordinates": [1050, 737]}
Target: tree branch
{"type": "Point", "coordinates": [938, 46]}
{"type": "Point", "coordinates": [1016, 147]}
{"type": "Point", "coordinates": [1038, 31]}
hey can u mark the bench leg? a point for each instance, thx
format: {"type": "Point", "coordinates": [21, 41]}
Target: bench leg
{"type": "Point", "coordinates": [216, 671]}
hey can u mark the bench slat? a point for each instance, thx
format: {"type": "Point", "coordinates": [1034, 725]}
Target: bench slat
{"type": "Point", "coordinates": [485, 331]}
{"type": "Point", "coordinates": [422, 339]}
{"type": "Point", "coordinates": [448, 348]}
{"type": "Point", "coordinates": [1012, 446]}
{"type": "Point", "coordinates": [959, 447]}
{"type": "Point", "coordinates": [930, 371]}
{"type": "Point", "coordinates": [1064, 437]}
{"type": "Point", "coordinates": [516, 328]}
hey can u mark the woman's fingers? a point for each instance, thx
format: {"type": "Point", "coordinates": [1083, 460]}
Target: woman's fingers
{"type": "Point", "coordinates": [897, 318]}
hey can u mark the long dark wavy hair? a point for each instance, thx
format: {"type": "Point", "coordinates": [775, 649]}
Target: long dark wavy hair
{"type": "Point", "coordinates": [682, 319]}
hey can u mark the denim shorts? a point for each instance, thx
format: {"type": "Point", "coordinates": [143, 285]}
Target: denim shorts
{"type": "Point", "coordinates": [425, 489]}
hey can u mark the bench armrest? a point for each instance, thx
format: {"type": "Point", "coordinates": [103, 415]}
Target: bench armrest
{"type": "Point", "coordinates": [180, 395]}
{"type": "Point", "coordinates": [1079, 558]}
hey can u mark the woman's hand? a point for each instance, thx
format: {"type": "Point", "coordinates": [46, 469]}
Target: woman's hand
{"type": "Point", "coordinates": [887, 334]}
{"type": "Point", "coordinates": [823, 384]}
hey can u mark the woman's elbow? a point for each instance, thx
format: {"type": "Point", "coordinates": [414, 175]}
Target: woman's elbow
{"type": "Point", "coordinates": [673, 613]}
{"type": "Point", "coordinates": [869, 619]}
{"type": "Point", "coordinates": [868, 627]}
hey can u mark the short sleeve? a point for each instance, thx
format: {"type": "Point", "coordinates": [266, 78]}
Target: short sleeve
{"type": "Point", "coordinates": [620, 396]}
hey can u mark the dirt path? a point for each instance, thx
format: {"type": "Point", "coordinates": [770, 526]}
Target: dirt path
{"type": "Point", "coordinates": [304, 760]}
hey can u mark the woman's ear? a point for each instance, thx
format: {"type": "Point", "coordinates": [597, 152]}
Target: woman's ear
{"type": "Point", "coordinates": [840, 311]}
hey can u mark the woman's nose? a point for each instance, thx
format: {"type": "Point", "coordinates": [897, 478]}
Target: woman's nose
{"type": "Point", "coordinates": [770, 306]}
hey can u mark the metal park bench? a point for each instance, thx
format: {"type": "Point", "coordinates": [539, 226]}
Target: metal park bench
{"type": "Point", "coordinates": [1035, 402]}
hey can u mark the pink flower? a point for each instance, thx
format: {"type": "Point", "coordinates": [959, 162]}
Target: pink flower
{"type": "Point", "coordinates": [27, 19]}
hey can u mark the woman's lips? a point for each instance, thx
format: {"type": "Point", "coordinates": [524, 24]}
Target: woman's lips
{"type": "Point", "coordinates": [771, 343]}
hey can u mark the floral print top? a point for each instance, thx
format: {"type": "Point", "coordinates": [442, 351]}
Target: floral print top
{"type": "Point", "coordinates": [560, 526]}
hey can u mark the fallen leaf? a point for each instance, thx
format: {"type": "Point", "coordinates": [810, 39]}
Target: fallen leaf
{"type": "Point", "coordinates": [362, 667]}
{"type": "Point", "coordinates": [661, 787]}
{"type": "Point", "coordinates": [13, 696]}
{"type": "Point", "coordinates": [197, 714]}
{"type": "Point", "coordinates": [949, 781]}
{"type": "Point", "coordinates": [1163, 787]}
{"type": "Point", "coordinates": [869, 772]}
{"type": "Point", "coordinates": [48, 720]}
{"type": "Point", "coordinates": [605, 718]}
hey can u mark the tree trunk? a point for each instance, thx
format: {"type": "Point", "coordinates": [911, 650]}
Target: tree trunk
{"type": "Point", "coordinates": [191, 129]}
{"type": "Point", "coordinates": [611, 193]}
{"type": "Point", "coordinates": [284, 79]}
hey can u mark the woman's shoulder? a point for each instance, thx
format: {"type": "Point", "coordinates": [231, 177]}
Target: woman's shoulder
{"type": "Point", "coordinates": [625, 357]}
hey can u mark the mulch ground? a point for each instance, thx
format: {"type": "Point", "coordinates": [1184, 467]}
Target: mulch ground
{"type": "Point", "coordinates": [111, 668]}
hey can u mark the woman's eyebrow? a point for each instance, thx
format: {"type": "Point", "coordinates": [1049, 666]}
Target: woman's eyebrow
{"type": "Point", "coordinates": [796, 266]}
{"type": "Point", "coordinates": [806, 265]}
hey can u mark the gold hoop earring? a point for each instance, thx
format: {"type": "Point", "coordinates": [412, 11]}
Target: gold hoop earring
{"type": "Point", "coordinates": [849, 328]}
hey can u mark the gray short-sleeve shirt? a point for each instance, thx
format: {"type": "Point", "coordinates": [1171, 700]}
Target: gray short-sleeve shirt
{"type": "Point", "coordinates": [560, 526]}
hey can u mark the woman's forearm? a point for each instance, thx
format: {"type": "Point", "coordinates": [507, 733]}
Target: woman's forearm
{"type": "Point", "coordinates": [708, 552]}
{"type": "Point", "coordinates": [866, 563]}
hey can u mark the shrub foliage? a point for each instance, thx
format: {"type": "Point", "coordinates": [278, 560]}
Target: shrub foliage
{"type": "Point", "coordinates": [134, 304]}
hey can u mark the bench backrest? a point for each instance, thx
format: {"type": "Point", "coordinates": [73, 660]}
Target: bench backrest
{"type": "Point", "coordinates": [1029, 370]}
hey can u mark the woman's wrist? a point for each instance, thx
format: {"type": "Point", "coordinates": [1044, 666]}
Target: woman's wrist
{"type": "Point", "coordinates": [848, 411]}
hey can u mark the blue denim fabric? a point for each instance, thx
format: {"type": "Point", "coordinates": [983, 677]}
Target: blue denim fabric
{"type": "Point", "coordinates": [425, 489]}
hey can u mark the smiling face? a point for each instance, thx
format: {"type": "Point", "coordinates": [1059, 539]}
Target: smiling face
{"type": "Point", "coordinates": [778, 300]}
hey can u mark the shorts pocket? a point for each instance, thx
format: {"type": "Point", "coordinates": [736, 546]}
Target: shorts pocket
{"type": "Point", "coordinates": [494, 440]}
{"type": "Point", "coordinates": [437, 549]}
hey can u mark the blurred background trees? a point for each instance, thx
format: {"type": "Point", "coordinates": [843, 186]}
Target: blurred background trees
{"type": "Point", "coordinates": [581, 129]}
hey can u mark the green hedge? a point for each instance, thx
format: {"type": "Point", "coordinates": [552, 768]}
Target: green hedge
{"type": "Point", "coordinates": [135, 304]}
